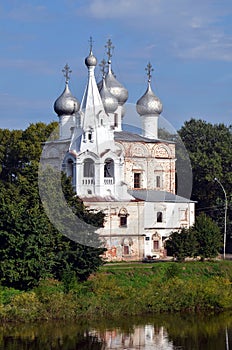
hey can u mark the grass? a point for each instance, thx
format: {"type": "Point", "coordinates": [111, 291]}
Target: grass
{"type": "Point", "coordinates": [125, 289]}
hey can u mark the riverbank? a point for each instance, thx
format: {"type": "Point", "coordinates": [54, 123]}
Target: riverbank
{"type": "Point", "coordinates": [125, 290]}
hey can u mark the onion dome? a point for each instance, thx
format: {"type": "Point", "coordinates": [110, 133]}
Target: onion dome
{"type": "Point", "coordinates": [91, 60]}
{"type": "Point", "coordinates": [66, 104]}
{"type": "Point", "coordinates": [110, 102]}
{"type": "Point", "coordinates": [149, 103]}
{"type": "Point", "coordinates": [115, 88]}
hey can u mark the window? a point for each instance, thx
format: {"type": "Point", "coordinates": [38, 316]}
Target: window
{"type": "Point", "coordinates": [158, 182]}
{"type": "Point", "coordinates": [126, 250]}
{"type": "Point", "coordinates": [147, 238]}
{"type": "Point", "coordinates": [126, 246]}
{"type": "Point", "coordinates": [115, 120]}
{"type": "Point", "coordinates": [109, 168]}
{"type": "Point", "coordinates": [70, 168]}
{"type": "Point", "coordinates": [156, 245]}
{"type": "Point", "coordinates": [137, 177]}
{"type": "Point", "coordinates": [88, 168]}
{"type": "Point", "coordinates": [159, 216]}
{"type": "Point", "coordinates": [123, 221]}
{"type": "Point", "coordinates": [123, 214]}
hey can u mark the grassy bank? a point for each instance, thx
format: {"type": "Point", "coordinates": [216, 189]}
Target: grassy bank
{"type": "Point", "coordinates": [125, 289]}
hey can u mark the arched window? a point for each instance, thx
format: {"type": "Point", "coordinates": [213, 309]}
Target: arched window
{"type": "Point", "coordinates": [155, 239]}
{"type": "Point", "coordinates": [89, 168]}
{"type": "Point", "coordinates": [159, 216]}
{"type": "Point", "coordinates": [126, 245]}
{"type": "Point", "coordinates": [69, 168]}
{"type": "Point", "coordinates": [123, 214]}
{"type": "Point", "coordinates": [109, 168]}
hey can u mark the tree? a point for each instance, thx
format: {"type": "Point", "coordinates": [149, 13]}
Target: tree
{"type": "Point", "coordinates": [31, 247]}
{"type": "Point", "coordinates": [203, 239]}
{"type": "Point", "coordinates": [182, 244]}
{"type": "Point", "coordinates": [208, 236]}
{"type": "Point", "coordinates": [209, 148]}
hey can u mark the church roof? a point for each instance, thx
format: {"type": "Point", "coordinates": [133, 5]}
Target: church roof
{"type": "Point", "coordinates": [131, 137]}
{"type": "Point", "coordinates": [158, 196]}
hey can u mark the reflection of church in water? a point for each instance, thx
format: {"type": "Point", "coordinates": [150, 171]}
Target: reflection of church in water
{"type": "Point", "coordinates": [130, 177]}
{"type": "Point", "coordinates": [143, 337]}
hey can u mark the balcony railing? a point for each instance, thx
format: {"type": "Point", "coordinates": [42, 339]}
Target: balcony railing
{"type": "Point", "coordinates": [88, 181]}
{"type": "Point", "coordinates": [108, 180]}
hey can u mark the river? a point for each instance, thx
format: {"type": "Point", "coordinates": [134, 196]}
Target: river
{"type": "Point", "coordinates": [160, 332]}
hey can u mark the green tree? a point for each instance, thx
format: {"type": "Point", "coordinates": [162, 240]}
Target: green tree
{"type": "Point", "coordinates": [182, 244]}
{"type": "Point", "coordinates": [31, 247]}
{"type": "Point", "coordinates": [208, 236]}
{"type": "Point", "coordinates": [209, 148]}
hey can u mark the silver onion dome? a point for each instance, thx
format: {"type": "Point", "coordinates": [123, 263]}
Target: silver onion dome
{"type": "Point", "coordinates": [149, 103]}
{"type": "Point", "coordinates": [110, 102]}
{"type": "Point", "coordinates": [91, 60]}
{"type": "Point", "coordinates": [66, 104]}
{"type": "Point", "coordinates": [115, 88]}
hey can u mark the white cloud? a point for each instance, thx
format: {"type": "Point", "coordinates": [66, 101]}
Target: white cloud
{"type": "Point", "coordinates": [122, 8]}
{"type": "Point", "coordinates": [190, 29]}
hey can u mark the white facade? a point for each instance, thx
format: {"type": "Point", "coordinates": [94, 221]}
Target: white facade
{"type": "Point", "coordinates": [128, 176]}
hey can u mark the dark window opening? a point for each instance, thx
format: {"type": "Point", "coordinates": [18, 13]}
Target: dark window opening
{"type": "Point", "coordinates": [115, 120]}
{"type": "Point", "coordinates": [109, 168]}
{"type": "Point", "coordinates": [159, 216]}
{"type": "Point", "coordinates": [88, 168]}
{"type": "Point", "coordinates": [123, 221]}
{"type": "Point", "coordinates": [126, 250]}
{"type": "Point", "coordinates": [158, 181]}
{"type": "Point", "coordinates": [70, 168]}
{"type": "Point", "coordinates": [156, 245]}
{"type": "Point", "coordinates": [137, 180]}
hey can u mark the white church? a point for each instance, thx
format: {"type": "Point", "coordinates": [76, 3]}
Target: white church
{"type": "Point", "coordinates": [130, 177]}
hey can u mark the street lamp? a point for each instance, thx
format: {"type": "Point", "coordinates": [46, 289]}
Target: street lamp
{"type": "Point", "coordinates": [224, 249]}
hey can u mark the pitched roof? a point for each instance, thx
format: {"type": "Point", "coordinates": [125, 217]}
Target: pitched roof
{"type": "Point", "coordinates": [131, 137]}
{"type": "Point", "coordinates": [158, 196]}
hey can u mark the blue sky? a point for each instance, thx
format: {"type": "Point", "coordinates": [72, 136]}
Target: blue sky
{"type": "Point", "coordinates": [189, 44]}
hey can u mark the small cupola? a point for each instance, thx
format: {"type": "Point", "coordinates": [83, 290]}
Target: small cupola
{"type": "Point", "coordinates": [149, 103]}
{"type": "Point", "coordinates": [66, 103]}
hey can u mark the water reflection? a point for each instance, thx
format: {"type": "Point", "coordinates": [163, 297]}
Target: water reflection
{"type": "Point", "coordinates": [161, 332]}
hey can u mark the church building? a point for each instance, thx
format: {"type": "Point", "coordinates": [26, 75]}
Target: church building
{"type": "Point", "coordinates": [128, 176]}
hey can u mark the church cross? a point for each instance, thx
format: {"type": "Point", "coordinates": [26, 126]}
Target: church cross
{"type": "Point", "coordinates": [91, 43]}
{"type": "Point", "coordinates": [109, 48]}
{"type": "Point", "coordinates": [66, 72]}
{"type": "Point", "coordinates": [103, 67]}
{"type": "Point", "coordinates": [149, 69]}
